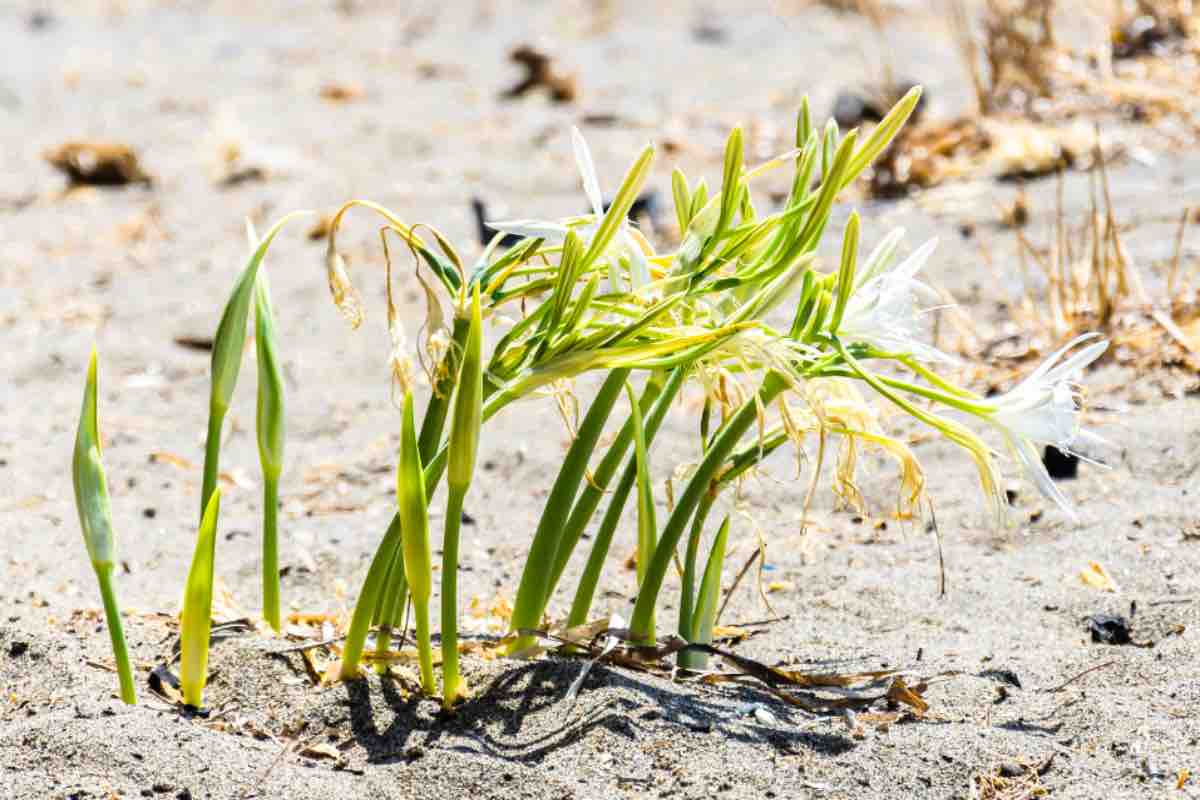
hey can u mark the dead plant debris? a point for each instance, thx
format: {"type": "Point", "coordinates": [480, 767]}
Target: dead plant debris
{"type": "Point", "coordinates": [541, 72]}
{"type": "Point", "coordinates": [932, 153]}
{"type": "Point", "coordinates": [97, 163]}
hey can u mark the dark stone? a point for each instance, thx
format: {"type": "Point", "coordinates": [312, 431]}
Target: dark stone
{"type": "Point", "coordinates": [1109, 629]}
{"type": "Point", "coordinates": [1061, 466]}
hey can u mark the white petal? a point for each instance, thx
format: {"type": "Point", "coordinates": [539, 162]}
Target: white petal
{"type": "Point", "coordinates": [640, 271]}
{"type": "Point", "coordinates": [1049, 363]}
{"type": "Point", "coordinates": [532, 229]}
{"type": "Point", "coordinates": [880, 257]}
{"type": "Point", "coordinates": [912, 265]}
{"type": "Point", "coordinates": [1077, 362]}
{"type": "Point", "coordinates": [587, 171]}
{"type": "Point", "coordinates": [1027, 454]}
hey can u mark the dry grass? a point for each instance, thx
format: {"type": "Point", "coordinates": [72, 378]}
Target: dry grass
{"type": "Point", "coordinates": [1010, 59]}
{"type": "Point", "coordinates": [1085, 279]}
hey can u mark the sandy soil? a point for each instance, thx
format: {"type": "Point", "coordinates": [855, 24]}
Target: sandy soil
{"type": "Point", "coordinates": [135, 269]}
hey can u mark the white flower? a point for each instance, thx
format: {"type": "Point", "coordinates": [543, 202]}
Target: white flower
{"type": "Point", "coordinates": [1044, 409]}
{"type": "Point", "coordinates": [883, 311]}
{"type": "Point", "coordinates": [623, 244]}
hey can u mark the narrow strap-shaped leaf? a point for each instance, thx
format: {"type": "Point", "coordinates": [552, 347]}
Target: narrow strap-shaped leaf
{"type": "Point", "coordinates": [414, 515]}
{"type": "Point", "coordinates": [646, 522]}
{"type": "Point", "coordinates": [535, 577]}
{"type": "Point", "coordinates": [270, 426]}
{"type": "Point", "coordinates": [196, 621]}
{"type": "Point", "coordinates": [682, 198]}
{"type": "Point", "coordinates": [845, 278]}
{"type": "Point", "coordinates": [368, 599]}
{"type": "Point", "coordinates": [619, 209]}
{"type": "Point", "coordinates": [228, 344]}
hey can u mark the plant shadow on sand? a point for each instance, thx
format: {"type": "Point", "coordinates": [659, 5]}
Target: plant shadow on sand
{"type": "Point", "coordinates": [507, 718]}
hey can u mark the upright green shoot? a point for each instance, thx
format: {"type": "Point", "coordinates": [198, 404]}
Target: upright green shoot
{"type": "Point", "coordinates": [704, 617]}
{"type": "Point", "coordinates": [368, 600]}
{"type": "Point", "coordinates": [535, 578]}
{"type": "Point", "coordinates": [646, 524]}
{"type": "Point", "coordinates": [414, 520]}
{"type": "Point", "coordinates": [196, 622]}
{"type": "Point", "coordinates": [270, 430]}
{"type": "Point", "coordinates": [464, 446]}
{"type": "Point", "coordinates": [95, 520]}
{"type": "Point", "coordinates": [228, 344]}
{"type": "Point", "coordinates": [641, 626]}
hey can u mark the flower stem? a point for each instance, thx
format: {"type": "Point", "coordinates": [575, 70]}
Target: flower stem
{"type": "Point", "coordinates": [212, 455]}
{"type": "Point", "coordinates": [116, 632]}
{"type": "Point", "coordinates": [450, 675]}
{"type": "Point", "coordinates": [270, 554]}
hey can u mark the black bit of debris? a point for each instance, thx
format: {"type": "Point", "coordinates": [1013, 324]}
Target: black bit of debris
{"type": "Point", "coordinates": [486, 232]}
{"type": "Point", "coordinates": [1110, 629]}
{"type": "Point", "coordinates": [1061, 466]}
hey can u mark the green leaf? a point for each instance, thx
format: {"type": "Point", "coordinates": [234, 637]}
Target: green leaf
{"type": "Point", "coordinates": [845, 279]}
{"type": "Point", "coordinates": [228, 344]}
{"type": "Point", "coordinates": [87, 473]}
{"type": "Point", "coordinates": [468, 404]}
{"type": "Point", "coordinates": [196, 622]}
{"type": "Point", "coordinates": [95, 521]}
{"type": "Point", "coordinates": [414, 518]}
{"type": "Point", "coordinates": [682, 198]}
{"type": "Point", "coordinates": [710, 588]}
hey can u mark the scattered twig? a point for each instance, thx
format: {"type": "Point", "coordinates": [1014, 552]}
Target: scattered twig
{"type": "Point", "coordinates": [737, 581]}
{"type": "Point", "coordinates": [307, 646]}
{"type": "Point", "coordinates": [1069, 681]}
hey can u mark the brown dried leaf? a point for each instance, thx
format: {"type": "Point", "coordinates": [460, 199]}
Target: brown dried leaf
{"type": "Point", "coordinates": [341, 92]}
{"type": "Point", "coordinates": [97, 163]}
{"type": "Point", "coordinates": [900, 693]}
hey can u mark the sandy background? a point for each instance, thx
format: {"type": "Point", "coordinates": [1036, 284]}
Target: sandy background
{"type": "Point", "coordinates": [135, 269]}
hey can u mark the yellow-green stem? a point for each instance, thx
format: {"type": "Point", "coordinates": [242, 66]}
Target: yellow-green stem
{"type": "Point", "coordinates": [116, 632]}
{"type": "Point", "coordinates": [424, 645]}
{"type": "Point", "coordinates": [722, 446]}
{"type": "Point", "coordinates": [270, 554]}
{"type": "Point", "coordinates": [212, 455]}
{"type": "Point", "coordinates": [368, 598]}
{"type": "Point", "coordinates": [450, 676]}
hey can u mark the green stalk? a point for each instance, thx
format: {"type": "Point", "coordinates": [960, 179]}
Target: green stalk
{"type": "Point", "coordinates": [387, 602]}
{"type": "Point", "coordinates": [228, 343]}
{"type": "Point", "coordinates": [212, 452]}
{"type": "Point", "coordinates": [434, 421]}
{"type": "Point", "coordinates": [270, 554]}
{"type": "Point", "coordinates": [647, 525]}
{"type": "Point", "coordinates": [464, 447]}
{"type": "Point", "coordinates": [116, 633]}
{"type": "Point", "coordinates": [377, 614]}
{"type": "Point", "coordinates": [722, 446]}
{"type": "Point", "coordinates": [95, 521]}
{"type": "Point", "coordinates": [535, 578]}
{"type": "Point", "coordinates": [368, 598]}
{"type": "Point", "coordinates": [687, 602]}
{"type": "Point", "coordinates": [414, 519]}
{"type": "Point", "coordinates": [589, 498]}
{"type": "Point", "coordinates": [270, 432]}
{"type": "Point", "coordinates": [196, 621]}
{"type": "Point", "coordinates": [390, 609]}
{"type": "Point", "coordinates": [585, 592]}
{"type": "Point", "coordinates": [705, 616]}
